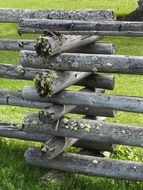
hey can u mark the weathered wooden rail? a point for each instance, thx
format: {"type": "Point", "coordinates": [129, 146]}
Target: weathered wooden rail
{"type": "Point", "coordinates": [69, 52]}
{"type": "Point", "coordinates": [15, 131]}
{"type": "Point", "coordinates": [14, 15]}
{"type": "Point", "coordinates": [85, 62]}
{"type": "Point", "coordinates": [17, 45]}
{"type": "Point", "coordinates": [88, 165]}
{"type": "Point", "coordinates": [86, 129]}
{"type": "Point", "coordinates": [106, 28]}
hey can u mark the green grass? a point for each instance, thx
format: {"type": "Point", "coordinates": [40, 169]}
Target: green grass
{"type": "Point", "coordinates": [119, 6]}
{"type": "Point", "coordinates": [14, 173]}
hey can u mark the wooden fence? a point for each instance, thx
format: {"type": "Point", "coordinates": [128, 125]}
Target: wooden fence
{"type": "Point", "coordinates": [68, 53]}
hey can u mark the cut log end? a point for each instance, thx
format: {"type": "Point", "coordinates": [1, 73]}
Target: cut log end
{"type": "Point", "coordinates": [44, 82]}
{"type": "Point", "coordinates": [43, 47]}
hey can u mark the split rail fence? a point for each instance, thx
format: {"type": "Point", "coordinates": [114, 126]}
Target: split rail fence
{"type": "Point", "coordinates": [68, 53]}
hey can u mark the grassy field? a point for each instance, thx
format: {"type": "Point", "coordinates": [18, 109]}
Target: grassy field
{"type": "Point", "coordinates": [14, 173]}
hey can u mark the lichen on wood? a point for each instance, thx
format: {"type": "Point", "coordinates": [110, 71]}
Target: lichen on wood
{"type": "Point", "coordinates": [44, 83]}
{"type": "Point", "coordinates": [67, 123]}
{"type": "Point", "coordinates": [46, 44]}
{"type": "Point", "coordinates": [42, 46]}
{"type": "Point", "coordinates": [20, 70]}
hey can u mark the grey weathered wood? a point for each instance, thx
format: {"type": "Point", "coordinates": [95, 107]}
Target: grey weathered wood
{"type": "Point", "coordinates": [50, 83]}
{"type": "Point", "coordinates": [53, 145]}
{"type": "Point", "coordinates": [98, 81]}
{"type": "Point", "coordinates": [88, 165]}
{"type": "Point", "coordinates": [94, 48]}
{"type": "Point", "coordinates": [85, 62]}
{"type": "Point", "coordinates": [140, 5]}
{"type": "Point", "coordinates": [87, 130]}
{"type": "Point", "coordinates": [15, 131]}
{"type": "Point", "coordinates": [92, 116]}
{"type": "Point", "coordinates": [54, 112]}
{"type": "Point", "coordinates": [14, 15]}
{"type": "Point", "coordinates": [115, 102]}
{"type": "Point", "coordinates": [89, 110]}
{"type": "Point", "coordinates": [51, 45]}
{"type": "Point", "coordinates": [14, 98]}
{"type": "Point", "coordinates": [56, 145]}
{"type": "Point", "coordinates": [94, 146]}
{"type": "Point", "coordinates": [73, 27]}
{"type": "Point", "coordinates": [87, 150]}
{"type": "Point", "coordinates": [13, 71]}
{"type": "Point", "coordinates": [17, 44]}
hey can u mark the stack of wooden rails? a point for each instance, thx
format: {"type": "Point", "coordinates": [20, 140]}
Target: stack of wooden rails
{"type": "Point", "coordinates": [68, 53]}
